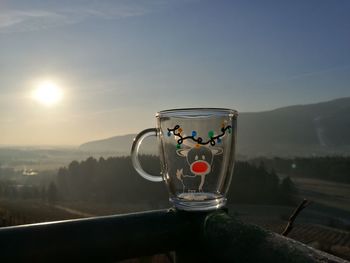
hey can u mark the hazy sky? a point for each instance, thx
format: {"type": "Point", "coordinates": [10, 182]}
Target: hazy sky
{"type": "Point", "coordinates": [118, 62]}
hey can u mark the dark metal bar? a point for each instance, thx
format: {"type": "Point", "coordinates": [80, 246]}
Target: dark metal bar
{"type": "Point", "coordinates": [196, 237]}
{"type": "Point", "coordinates": [100, 239]}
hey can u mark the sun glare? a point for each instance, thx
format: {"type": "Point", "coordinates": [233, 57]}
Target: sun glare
{"type": "Point", "coordinates": [48, 93]}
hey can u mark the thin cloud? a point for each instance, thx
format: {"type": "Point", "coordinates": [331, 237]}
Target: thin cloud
{"type": "Point", "coordinates": [23, 20]}
{"type": "Point", "coordinates": [31, 20]}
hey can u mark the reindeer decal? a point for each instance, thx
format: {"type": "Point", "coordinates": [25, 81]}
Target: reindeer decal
{"type": "Point", "coordinates": [200, 160]}
{"type": "Point", "coordinates": [199, 157]}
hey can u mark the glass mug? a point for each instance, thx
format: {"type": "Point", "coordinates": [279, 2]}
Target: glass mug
{"type": "Point", "coordinates": [197, 149]}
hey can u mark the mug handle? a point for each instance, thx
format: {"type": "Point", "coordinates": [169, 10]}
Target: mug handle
{"type": "Point", "coordinates": [135, 154]}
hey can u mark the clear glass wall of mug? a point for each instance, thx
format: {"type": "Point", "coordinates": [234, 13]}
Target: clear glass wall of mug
{"type": "Point", "coordinates": [197, 151]}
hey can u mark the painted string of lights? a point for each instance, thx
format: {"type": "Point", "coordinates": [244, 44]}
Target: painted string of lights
{"type": "Point", "coordinates": [177, 130]}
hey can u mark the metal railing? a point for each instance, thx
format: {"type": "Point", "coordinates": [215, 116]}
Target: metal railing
{"type": "Point", "coordinates": [195, 237]}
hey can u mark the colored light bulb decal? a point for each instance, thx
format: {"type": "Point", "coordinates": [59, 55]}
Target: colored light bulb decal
{"type": "Point", "coordinates": [199, 140]}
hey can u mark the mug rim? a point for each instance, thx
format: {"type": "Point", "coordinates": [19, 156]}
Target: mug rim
{"type": "Point", "coordinates": [197, 111]}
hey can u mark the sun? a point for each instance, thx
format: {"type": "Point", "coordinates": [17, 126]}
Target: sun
{"type": "Point", "coordinates": [47, 93]}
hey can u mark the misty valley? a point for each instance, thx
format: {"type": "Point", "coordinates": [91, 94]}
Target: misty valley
{"type": "Point", "coordinates": [295, 154]}
{"type": "Point", "coordinates": [263, 191]}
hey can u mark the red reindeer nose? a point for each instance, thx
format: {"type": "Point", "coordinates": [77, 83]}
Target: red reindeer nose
{"type": "Point", "coordinates": [199, 167]}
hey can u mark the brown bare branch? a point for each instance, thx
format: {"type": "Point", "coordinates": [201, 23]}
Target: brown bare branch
{"type": "Point", "coordinates": [292, 218]}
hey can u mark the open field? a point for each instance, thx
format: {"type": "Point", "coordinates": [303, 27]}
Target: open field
{"type": "Point", "coordinates": [328, 193]}
{"type": "Point", "coordinates": [17, 212]}
{"type": "Point", "coordinates": [20, 211]}
{"type": "Point", "coordinates": [310, 226]}
{"type": "Point", "coordinates": [328, 239]}
{"type": "Point", "coordinates": [318, 224]}
{"type": "Point", "coordinates": [43, 159]}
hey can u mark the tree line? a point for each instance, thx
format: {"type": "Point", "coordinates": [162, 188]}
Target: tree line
{"type": "Point", "coordinates": [115, 180]}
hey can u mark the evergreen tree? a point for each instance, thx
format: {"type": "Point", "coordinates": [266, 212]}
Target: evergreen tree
{"type": "Point", "coordinates": [52, 193]}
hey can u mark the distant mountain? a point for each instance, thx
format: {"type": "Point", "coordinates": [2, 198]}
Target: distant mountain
{"type": "Point", "coordinates": [119, 144]}
{"type": "Point", "coordinates": [302, 130]}
{"type": "Point", "coordinates": [320, 128]}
